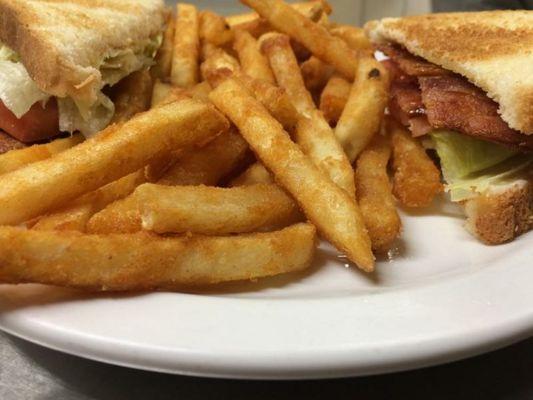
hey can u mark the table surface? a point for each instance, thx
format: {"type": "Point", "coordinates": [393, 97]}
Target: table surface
{"type": "Point", "coordinates": [29, 372]}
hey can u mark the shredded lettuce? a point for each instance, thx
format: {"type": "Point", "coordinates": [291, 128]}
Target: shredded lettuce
{"type": "Point", "coordinates": [471, 166]}
{"type": "Point", "coordinates": [19, 92]}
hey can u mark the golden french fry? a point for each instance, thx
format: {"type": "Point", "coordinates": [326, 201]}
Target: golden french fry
{"type": "Point", "coordinates": [163, 58]}
{"type": "Point", "coordinates": [143, 261]}
{"type": "Point", "coordinates": [334, 98]}
{"type": "Point", "coordinates": [330, 49]}
{"type": "Point", "coordinates": [330, 208]}
{"type": "Point", "coordinates": [363, 113]}
{"type": "Point", "coordinates": [75, 216]}
{"type": "Point", "coordinates": [374, 194]}
{"type": "Point", "coordinates": [132, 95]}
{"type": "Point", "coordinates": [19, 158]}
{"type": "Point", "coordinates": [117, 151]}
{"type": "Point", "coordinates": [416, 178]}
{"type": "Point", "coordinates": [214, 29]}
{"type": "Point", "coordinates": [313, 134]}
{"type": "Point", "coordinates": [220, 66]}
{"type": "Point", "coordinates": [277, 48]}
{"type": "Point", "coordinates": [186, 56]}
{"type": "Point", "coordinates": [256, 173]}
{"type": "Point", "coordinates": [253, 62]}
{"type": "Point", "coordinates": [200, 91]}
{"type": "Point", "coordinates": [213, 210]}
{"type": "Point", "coordinates": [316, 74]}
{"type": "Point", "coordinates": [164, 93]}
{"type": "Point", "coordinates": [206, 166]}
{"type": "Point", "coordinates": [354, 37]}
{"type": "Point", "coordinates": [161, 91]}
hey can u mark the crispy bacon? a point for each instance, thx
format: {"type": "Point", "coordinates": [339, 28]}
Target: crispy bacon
{"type": "Point", "coordinates": [454, 103]}
{"type": "Point", "coordinates": [449, 101]}
{"type": "Point", "coordinates": [7, 143]}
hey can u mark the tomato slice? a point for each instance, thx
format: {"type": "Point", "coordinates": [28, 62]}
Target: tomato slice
{"type": "Point", "coordinates": [37, 124]}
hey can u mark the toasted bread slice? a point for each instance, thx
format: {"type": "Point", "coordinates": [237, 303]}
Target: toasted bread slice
{"type": "Point", "coordinates": [492, 49]}
{"type": "Point", "coordinates": [502, 213]}
{"type": "Point", "coordinates": [62, 43]}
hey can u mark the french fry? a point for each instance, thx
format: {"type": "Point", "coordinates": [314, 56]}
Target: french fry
{"type": "Point", "coordinates": [330, 49]}
{"type": "Point", "coordinates": [416, 179]}
{"type": "Point", "coordinates": [133, 95]}
{"type": "Point", "coordinates": [334, 98]}
{"type": "Point", "coordinates": [213, 210]}
{"type": "Point", "coordinates": [277, 49]}
{"type": "Point", "coordinates": [144, 261]}
{"type": "Point", "coordinates": [354, 37]}
{"type": "Point", "coordinates": [163, 58]}
{"type": "Point", "coordinates": [221, 66]}
{"type": "Point", "coordinates": [257, 26]}
{"type": "Point", "coordinates": [329, 208]}
{"type": "Point", "coordinates": [19, 158]}
{"type": "Point", "coordinates": [255, 173]}
{"type": "Point", "coordinates": [374, 194]}
{"type": "Point", "coordinates": [253, 62]}
{"type": "Point", "coordinates": [75, 216]}
{"type": "Point", "coordinates": [186, 55]}
{"type": "Point", "coordinates": [313, 134]}
{"type": "Point", "coordinates": [205, 166]}
{"type": "Point", "coordinates": [316, 74]}
{"type": "Point", "coordinates": [164, 93]}
{"type": "Point", "coordinates": [214, 29]}
{"type": "Point", "coordinates": [117, 151]}
{"type": "Point", "coordinates": [363, 113]}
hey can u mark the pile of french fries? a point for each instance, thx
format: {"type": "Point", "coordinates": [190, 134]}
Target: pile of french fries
{"type": "Point", "coordinates": [250, 136]}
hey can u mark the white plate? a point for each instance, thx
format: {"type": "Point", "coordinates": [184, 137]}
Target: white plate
{"type": "Point", "coordinates": [443, 297]}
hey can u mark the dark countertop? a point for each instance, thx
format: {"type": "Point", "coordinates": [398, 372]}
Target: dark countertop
{"type": "Point", "coordinates": [31, 372]}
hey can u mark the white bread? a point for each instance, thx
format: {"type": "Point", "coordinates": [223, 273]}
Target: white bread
{"type": "Point", "coordinates": [62, 42]}
{"type": "Point", "coordinates": [502, 213]}
{"type": "Point", "coordinates": [492, 49]}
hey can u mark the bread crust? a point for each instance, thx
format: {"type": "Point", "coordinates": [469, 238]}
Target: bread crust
{"type": "Point", "coordinates": [492, 49]}
{"type": "Point", "coordinates": [62, 43]}
{"type": "Point", "coordinates": [500, 215]}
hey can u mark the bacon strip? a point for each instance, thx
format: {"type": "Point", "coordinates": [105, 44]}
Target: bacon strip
{"type": "Point", "coordinates": [7, 143]}
{"type": "Point", "coordinates": [410, 64]}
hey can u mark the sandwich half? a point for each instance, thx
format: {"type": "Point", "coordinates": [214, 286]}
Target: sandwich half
{"type": "Point", "coordinates": [58, 57]}
{"type": "Point", "coordinates": [463, 82]}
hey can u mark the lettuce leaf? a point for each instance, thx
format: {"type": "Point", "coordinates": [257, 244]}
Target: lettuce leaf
{"type": "Point", "coordinates": [18, 92]}
{"type": "Point", "coordinates": [471, 166]}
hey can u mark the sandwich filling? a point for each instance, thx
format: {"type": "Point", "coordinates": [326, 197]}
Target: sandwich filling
{"type": "Point", "coordinates": [29, 114]}
{"type": "Point", "coordinates": [476, 147]}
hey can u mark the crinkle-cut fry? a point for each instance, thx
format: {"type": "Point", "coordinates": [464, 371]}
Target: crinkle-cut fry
{"type": "Point", "coordinates": [74, 216]}
{"type": "Point", "coordinates": [163, 58]}
{"type": "Point", "coordinates": [257, 26]}
{"type": "Point", "coordinates": [115, 152]}
{"type": "Point", "coordinates": [354, 37]}
{"type": "Point", "coordinates": [253, 62]}
{"type": "Point", "coordinates": [374, 194]}
{"type": "Point", "coordinates": [330, 49]}
{"type": "Point", "coordinates": [334, 98]}
{"type": "Point", "coordinates": [255, 173]}
{"type": "Point", "coordinates": [204, 166]}
{"type": "Point", "coordinates": [132, 95]}
{"type": "Point", "coordinates": [316, 74]}
{"type": "Point", "coordinates": [220, 66]}
{"type": "Point", "coordinates": [214, 29]}
{"type": "Point", "coordinates": [143, 261]}
{"type": "Point", "coordinates": [362, 116]}
{"type": "Point", "coordinates": [416, 179]}
{"type": "Point", "coordinates": [186, 52]}
{"type": "Point", "coordinates": [211, 210]}
{"type": "Point", "coordinates": [15, 159]}
{"type": "Point", "coordinates": [328, 207]}
{"type": "Point", "coordinates": [313, 134]}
